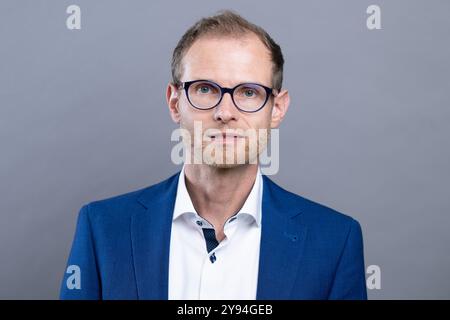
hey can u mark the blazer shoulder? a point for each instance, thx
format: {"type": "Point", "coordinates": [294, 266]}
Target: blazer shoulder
{"type": "Point", "coordinates": [324, 214]}
{"type": "Point", "coordinates": [311, 211]}
{"type": "Point", "coordinates": [126, 203]}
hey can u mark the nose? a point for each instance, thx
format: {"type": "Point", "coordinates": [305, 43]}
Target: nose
{"type": "Point", "coordinates": [225, 111]}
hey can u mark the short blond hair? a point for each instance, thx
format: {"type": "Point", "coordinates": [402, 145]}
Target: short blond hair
{"type": "Point", "coordinates": [227, 23]}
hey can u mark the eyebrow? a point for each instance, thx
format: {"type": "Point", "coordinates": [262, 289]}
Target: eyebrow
{"type": "Point", "coordinates": [234, 85]}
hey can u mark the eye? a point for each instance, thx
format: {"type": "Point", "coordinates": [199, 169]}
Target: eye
{"type": "Point", "coordinates": [249, 93]}
{"type": "Point", "coordinates": [204, 88]}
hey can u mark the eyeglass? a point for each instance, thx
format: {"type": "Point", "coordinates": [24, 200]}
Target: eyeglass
{"type": "Point", "coordinates": [247, 97]}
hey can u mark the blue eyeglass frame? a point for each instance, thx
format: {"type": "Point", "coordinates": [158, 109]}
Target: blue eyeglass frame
{"type": "Point", "coordinates": [185, 85]}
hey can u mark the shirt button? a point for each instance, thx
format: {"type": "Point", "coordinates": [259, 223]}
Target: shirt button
{"type": "Point", "coordinates": [199, 223]}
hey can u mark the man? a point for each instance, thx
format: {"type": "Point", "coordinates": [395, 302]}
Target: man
{"type": "Point", "coordinates": [218, 229]}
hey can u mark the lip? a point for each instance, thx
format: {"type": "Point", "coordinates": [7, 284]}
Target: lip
{"type": "Point", "coordinates": [226, 137]}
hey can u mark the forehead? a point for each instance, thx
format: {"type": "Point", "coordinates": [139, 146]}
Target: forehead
{"type": "Point", "coordinates": [228, 60]}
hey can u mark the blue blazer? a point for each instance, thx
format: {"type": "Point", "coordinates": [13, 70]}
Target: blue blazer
{"type": "Point", "coordinates": [121, 246]}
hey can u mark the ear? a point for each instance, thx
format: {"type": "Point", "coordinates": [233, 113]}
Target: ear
{"type": "Point", "coordinates": [280, 107]}
{"type": "Point", "coordinates": [172, 98]}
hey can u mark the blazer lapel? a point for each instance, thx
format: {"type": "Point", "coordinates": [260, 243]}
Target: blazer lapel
{"type": "Point", "coordinates": [282, 240]}
{"type": "Point", "coordinates": [150, 238]}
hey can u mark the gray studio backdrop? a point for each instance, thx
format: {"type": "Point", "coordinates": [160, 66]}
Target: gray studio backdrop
{"type": "Point", "coordinates": [83, 117]}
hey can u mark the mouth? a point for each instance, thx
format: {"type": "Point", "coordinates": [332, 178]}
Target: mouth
{"type": "Point", "coordinates": [226, 137]}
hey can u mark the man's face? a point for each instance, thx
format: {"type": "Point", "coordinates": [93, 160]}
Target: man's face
{"type": "Point", "coordinates": [228, 62]}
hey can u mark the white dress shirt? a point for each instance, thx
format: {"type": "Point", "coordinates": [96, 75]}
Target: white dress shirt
{"type": "Point", "coordinates": [230, 271]}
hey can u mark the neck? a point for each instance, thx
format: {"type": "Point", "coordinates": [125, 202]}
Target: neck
{"type": "Point", "coordinates": [219, 193]}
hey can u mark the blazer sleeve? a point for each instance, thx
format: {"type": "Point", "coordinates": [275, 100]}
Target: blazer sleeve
{"type": "Point", "coordinates": [349, 281]}
{"type": "Point", "coordinates": [81, 278]}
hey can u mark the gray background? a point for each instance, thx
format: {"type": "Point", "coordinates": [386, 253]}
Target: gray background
{"type": "Point", "coordinates": [83, 117]}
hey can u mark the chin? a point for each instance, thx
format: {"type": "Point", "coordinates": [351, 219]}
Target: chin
{"type": "Point", "coordinates": [220, 162]}
{"type": "Point", "coordinates": [225, 165]}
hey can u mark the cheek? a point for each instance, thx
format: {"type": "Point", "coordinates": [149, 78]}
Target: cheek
{"type": "Point", "coordinates": [264, 119]}
{"type": "Point", "coordinates": [184, 109]}
{"type": "Point", "coordinates": [189, 116]}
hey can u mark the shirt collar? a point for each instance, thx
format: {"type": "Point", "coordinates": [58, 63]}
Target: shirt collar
{"type": "Point", "coordinates": [252, 205]}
